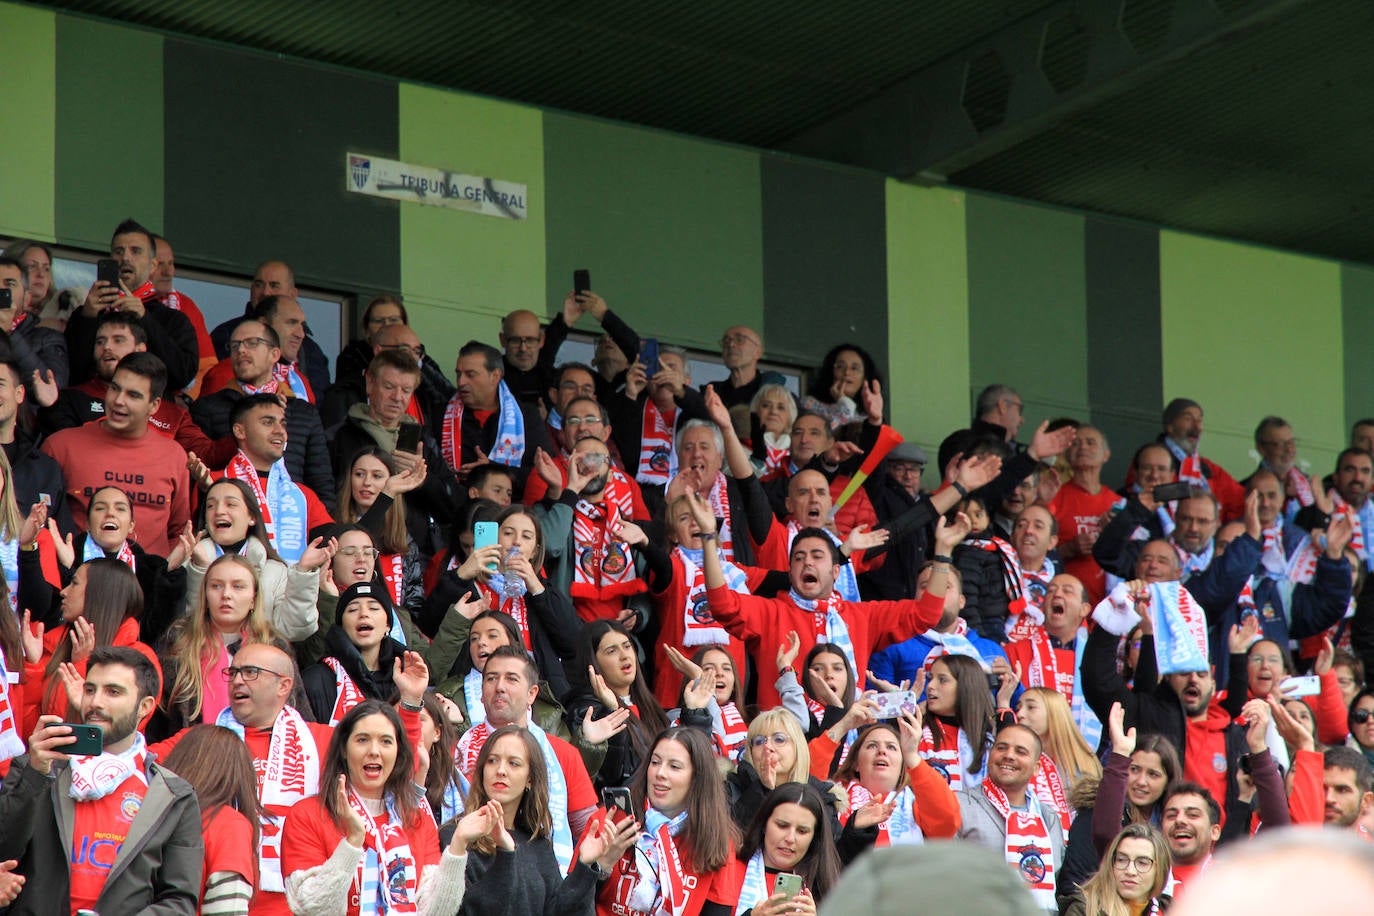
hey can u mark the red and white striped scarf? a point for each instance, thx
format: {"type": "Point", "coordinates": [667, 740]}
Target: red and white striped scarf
{"type": "Point", "coordinates": [605, 566]}
{"type": "Point", "coordinates": [11, 744]}
{"type": "Point", "coordinates": [1012, 576]}
{"type": "Point", "coordinates": [719, 498]}
{"type": "Point", "coordinates": [1301, 486]}
{"type": "Point", "coordinates": [777, 451]}
{"type": "Point", "coordinates": [1357, 543]}
{"type": "Point", "coordinates": [900, 828]}
{"type": "Point", "coordinates": [1045, 670]}
{"type": "Point", "coordinates": [469, 746]}
{"type": "Point", "coordinates": [947, 758]}
{"type": "Point", "coordinates": [657, 457]}
{"type": "Point", "coordinates": [1049, 788]}
{"type": "Point", "coordinates": [1027, 846]}
{"type": "Point", "coordinates": [393, 572]}
{"type": "Point", "coordinates": [346, 692]}
{"type": "Point", "coordinates": [736, 730]}
{"type": "Point", "coordinates": [513, 605]}
{"type": "Point", "coordinates": [387, 879]}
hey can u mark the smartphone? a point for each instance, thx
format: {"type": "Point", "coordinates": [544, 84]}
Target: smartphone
{"type": "Point", "coordinates": [1308, 686]}
{"type": "Point", "coordinates": [484, 535]}
{"type": "Point", "coordinates": [582, 281]}
{"type": "Point", "coordinates": [892, 705]}
{"type": "Point", "coordinates": [648, 355]}
{"type": "Point", "coordinates": [6, 300]}
{"type": "Point", "coordinates": [616, 798]}
{"type": "Point", "coordinates": [408, 439]}
{"type": "Point", "coordinates": [107, 269]}
{"type": "Point", "coordinates": [1168, 492]}
{"type": "Point", "coordinates": [994, 682]}
{"type": "Point", "coordinates": [88, 740]}
{"type": "Point", "coordinates": [787, 884]}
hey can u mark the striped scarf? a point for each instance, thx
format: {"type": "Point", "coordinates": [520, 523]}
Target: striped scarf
{"type": "Point", "coordinates": [509, 448]}
{"type": "Point", "coordinates": [953, 759]}
{"type": "Point", "coordinates": [11, 744]}
{"type": "Point", "coordinates": [828, 625]}
{"type": "Point", "coordinates": [1013, 580]}
{"type": "Point", "coordinates": [1049, 788]}
{"type": "Point", "coordinates": [900, 828]}
{"type": "Point", "coordinates": [699, 627]}
{"type": "Point", "coordinates": [283, 505]}
{"type": "Point", "coordinates": [605, 566]}
{"type": "Point", "coordinates": [663, 888]}
{"type": "Point", "coordinates": [846, 583]}
{"type": "Point", "coordinates": [1027, 845]}
{"type": "Point", "coordinates": [346, 692]}
{"type": "Point", "coordinates": [387, 879]}
{"type": "Point", "coordinates": [657, 457]}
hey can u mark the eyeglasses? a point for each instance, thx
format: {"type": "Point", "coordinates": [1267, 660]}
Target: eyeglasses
{"type": "Point", "coordinates": [252, 343]}
{"type": "Point", "coordinates": [355, 551]}
{"type": "Point", "coordinates": [1123, 863]}
{"type": "Point", "coordinates": [778, 739]}
{"type": "Point", "coordinates": [522, 342]}
{"type": "Point", "coordinates": [384, 320]}
{"type": "Point", "coordinates": [418, 349]}
{"type": "Point", "coordinates": [1361, 716]}
{"type": "Point", "coordinates": [249, 673]}
{"type": "Point", "coordinates": [1266, 659]}
{"type": "Point", "coordinates": [578, 421]}
{"type": "Point", "coordinates": [593, 459]}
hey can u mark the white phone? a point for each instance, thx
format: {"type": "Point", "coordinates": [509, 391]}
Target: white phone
{"type": "Point", "coordinates": [1307, 686]}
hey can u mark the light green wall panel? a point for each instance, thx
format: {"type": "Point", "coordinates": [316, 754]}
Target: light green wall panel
{"type": "Point", "coordinates": [28, 96]}
{"type": "Point", "coordinates": [1251, 331]}
{"type": "Point", "coordinates": [928, 328]}
{"type": "Point", "coordinates": [670, 227]}
{"type": "Point", "coordinates": [462, 271]}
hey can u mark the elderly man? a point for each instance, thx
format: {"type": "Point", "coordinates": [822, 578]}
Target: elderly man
{"type": "Point", "coordinates": [1278, 449]}
{"type": "Point", "coordinates": [1181, 436]}
{"type": "Point", "coordinates": [350, 387]}
{"type": "Point", "coordinates": [530, 351]}
{"type": "Point", "coordinates": [276, 278]}
{"type": "Point", "coordinates": [741, 348]}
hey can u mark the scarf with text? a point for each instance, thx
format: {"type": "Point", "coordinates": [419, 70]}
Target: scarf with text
{"type": "Point", "coordinates": [755, 888]}
{"type": "Point", "coordinates": [283, 505]}
{"type": "Point", "coordinates": [605, 566]}
{"type": "Point", "coordinates": [827, 624]}
{"type": "Point", "coordinates": [472, 695]}
{"type": "Point", "coordinates": [11, 744]}
{"type": "Point", "coordinates": [392, 568]}
{"type": "Point", "coordinates": [93, 551]}
{"type": "Point", "coordinates": [1180, 629]}
{"type": "Point", "coordinates": [387, 879]}
{"type": "Point", "coordinates": [719, 498]}
{"type": "Point", "coordinates": [494, 589]}
{"type": "Point", "coordinates": [346, 692]}
{"type": "Point", "coordinates": [1012, 578]}
{"type": "Point", "coordinates": [98, 775]}
{"type": "Point", "coordinates": [846, 583]}
{"type": "Point", "coordinates": [292, 773]}
{"type": "Point", "coordinates": [1046, 671]}
{"type": "Point", "coordinates": [734, 731]}
{"type": "Point", "coordinates": [661, 890]}
{"type": "Point", "coordinates": [1189, 466]}
{"type": "Point", "coordinates": [1049, 788]}
{"type": "Point", "coordinates": [510, 431]}
{"type": "Point", "coordinates": [900, 828]}
{"type": "Point", "coordinates": [657, 457]}
{"type": "Point", "coordinates": [953, 759]}
{"type": "Point", "coordinates": [699, 627]}
{"type": "Point", "coordinates": [1027, 846]}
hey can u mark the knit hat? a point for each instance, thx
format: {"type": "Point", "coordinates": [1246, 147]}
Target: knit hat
{"type": "Point", "coordinates": [1176, 407]}
{"type": "Point", "coordinates": [365, 590]}
{"type": "Point", "coordinates": [945, 875]}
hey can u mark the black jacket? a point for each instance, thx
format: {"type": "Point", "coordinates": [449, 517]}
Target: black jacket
{"type": "Point", "coordinates": [350, 388]}
{"type": "Point", "coordinates": [170, 337]}
{"type": "Point", "coordinates": [307, 450]}
{"type": "Point", "coordinates": [311, 358]}
{"type": "Point", "coordinates": [321, 683]}
{"type": "Point", "coordinates": [37, 475]}
{"type": "Point", "coordinates": [438, 497]}
{"type": "Point", "coordinates": [476, 434]}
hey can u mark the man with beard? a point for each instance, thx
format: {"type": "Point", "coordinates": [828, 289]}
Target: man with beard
{"type": "Point", "coordinates": [1050, 654]}
{"type": "Point", "coordinates": [80, 810]}
{"type": "Point", "coordinates": [1003, 814]}
{"type": "Point", "coordinates": [581, 418]}
{"type": "Point", "coordinates": [1191, 824]}
{"type": "Point", "coordinates": [1349, 783]}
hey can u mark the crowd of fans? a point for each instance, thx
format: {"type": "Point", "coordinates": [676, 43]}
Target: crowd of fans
{"type": "Point", "coordinates": [549, 637]}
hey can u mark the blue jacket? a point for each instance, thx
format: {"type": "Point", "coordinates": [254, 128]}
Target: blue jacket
{"type": "Point", "coordinates": [900, 661]}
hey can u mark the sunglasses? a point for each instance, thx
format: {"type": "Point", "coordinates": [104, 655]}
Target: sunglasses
{"type": "Point", "coordinates": [1361, 716]}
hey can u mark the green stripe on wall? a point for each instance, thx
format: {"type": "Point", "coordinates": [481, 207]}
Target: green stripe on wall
{"type": "Point", "coordinates": [461, 271]}
{"type": "Point", "coordinates": [29, 97]}
{"type": "Point", "coordinates": [668, 226]}
{"type": "Point", "coordinates": [109, 160]}
{"type": "Point", "coordinates": [1245, 333]}
{"type": "Point", "coordinates": [927, 312]}
{"type": "Point", "coordinates": [1027, 306]}
{"type": "Point", "coordinates": [1357, 311]}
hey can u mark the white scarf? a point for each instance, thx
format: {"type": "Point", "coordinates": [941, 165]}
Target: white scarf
{"type": "Point", "coordinates": [657, 846]}
{"type": "Point", "coordinates": [699, 627]}
{"type": "Point", "coordinates": [387, 878]}
{"type": "Point", "coordinates": [98, 775]}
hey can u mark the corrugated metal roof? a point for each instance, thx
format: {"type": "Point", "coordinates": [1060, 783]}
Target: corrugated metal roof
{"type": "Point", "coordinates": [1263, 136]}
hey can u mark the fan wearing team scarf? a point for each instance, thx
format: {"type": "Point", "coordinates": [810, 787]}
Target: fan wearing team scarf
{"type": "Point", "coordinates": [657, 401]}
{"type": "Point", "coordinates": [582, 418]}
{"type": "Point", "coordinates": [1182, 435]}
{"type": "Point", "coordinates": [791, 833]}
{"type": "Point", "coordinates": [1005, 815]}
{"type": "Point", "coordinates": [712, 667]}
{"type": "Point", "coordinates": [485, 421]}
{"type": "Point", "coordinates": [1034, 533]}
{"type": "Point", "coordinates": [1081, 507]}
{"type": "Point", "coordinates": [361, 654]}
{"type": "Point", "coordinates": [365, 845]}
{"type": "Point", "coordinates": [960, 719]}
{"type": "Point", "coordinates": [809, 505]}
{"type": "Point", "coordinates": [812, 608]}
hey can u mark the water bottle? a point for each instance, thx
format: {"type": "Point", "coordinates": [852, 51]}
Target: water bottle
{"type": "Point", "coordinates": [512, 586]}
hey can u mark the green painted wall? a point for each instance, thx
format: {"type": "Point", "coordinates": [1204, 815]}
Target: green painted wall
{"type": "Point", "coordinates": [461, 271]}
{"type": "Point", "coordinates": [109, 156]}
{"type": "Point", "coordinates": [1027, 306]}
{"type": "Point", "coordinates": [27, 181]}
{"type": "Point", "coordinates": [1247, 331]}
{"type": "Point", "coordinates": [928, 313]}
{"type": "Point", "coordinates": [1357, 333]}
{"type": "Point", "coordinates": [668, 226]}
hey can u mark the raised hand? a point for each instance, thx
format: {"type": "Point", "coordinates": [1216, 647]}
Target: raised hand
{"type": "Point", "coordinates": [768, 768]}
{"type": "Point", "coordinates": [45, 387]}
{"type": "Point", "coordinates": [549, 472]}
{"type": "Point", "coordinates": [883, 686]}
{"type": "Point", "coordinates": [471, 826]}
{"type": "Point", "coordinates": [72, 682]}
{"type": "Point", "coordinates": [871, 394]}
{"type": "Point", "coordinates": [1045, 444]}
{"type": "Point", "coordinates": [681, 663]}
{"type": "Point", "coordinates": [410, 674]}
{"type": "Point", "coordinates": [34, 522]}
{"type": "Point", "coordinates": [200, 474]}
{"type": "Point", "coordinates": [875, 812]}
{"type": "Point", "coordinates": [354, 829]}
{"type": "Point", "coordinates": [860, 539]}
{"type": "Point", "coordinates": [1325, 657]}
{"type": "Point", "coordinates": [1256, 715]}
{"type": "Point", "coordinates": [636, 379]}
{"type": "Point", "coordinates": [1293, 732]}
{"type": "Point", "coordinates": [608, 842]}
{"type": "Point", "coordinates": [698, 692]}
{"type": "Point", "coordinates": [978, 471]}
{"type": "Point", "coordinates": [788, 651]}
{"type": "Point", "coordinates": [62, 544]}
{"type": "Point", "coordinates": [470, 604]}
{"type": "Point", "coordinates": [1241, 637]}
{"type": "Point", "coordinates": [1010, 679]}
{"type": "Point", "coordinates": [599, 731]}
{"type": "Point", "coordinates": [949, 534]}
{"type": "Point", "coordinates": [184, 547]}
{"type": "Point", "coordinates": [702, 513]}
{"type": "Point", "coordinates": [83, 639]}
{"type": "Point", "coordinates": [318, 554]}
{"type": "Point", "coordinates": [1251, 515]}
{"type": "Point", "coordinates": [480, 561]}
{"type": "Point", "coordinates": [716, 409]}
{"type": "Point", "coordinates": [631, 533]}
{"type": "Point", "coordinates": [1339, 532]}
{"type": "Point", "coordinates": [406, 480]}
{"type": "Point", "coordinates": [1123, 742]}
{"type": "Point", "coordinates": [31, 639]}
{"type": "Point", "coordinates": [603, 694]}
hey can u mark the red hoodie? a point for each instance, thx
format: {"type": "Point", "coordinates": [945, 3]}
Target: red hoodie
{"type": "Point", "coordinates": [1204, 757]}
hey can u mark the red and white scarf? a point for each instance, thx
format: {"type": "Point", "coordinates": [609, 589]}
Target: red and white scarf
{"type": "Point", "coordinates": [719, 498]}
{"type": "Point", "coordinates": [98, 775]}
{"type": "Point", "coordinates": [469, 746]}
{"type": "Point", "coordinates": [292, 773]}
{"type": "Point", "coordinates": [699, 628]}
{"type": "Point", "coordinates": [346, 692]}
{"type": "Point", "coordinates": [777, 452]}
{"type": "Point", "coordinates": [1012, 578]}
{"type": "Point", "coordinates": [386, 880]}
{"type": "Point", "coordinates": [900, 828]}
{"type": "Point", "coordinates": [605, 564]}
{"type": "Point", "coordinates": [11, 744]}
{"type": "Point", "coordinates": [392, 567]}
{"type": "Point", "coordinates": [93, 551]}
{"type": "Point", "coordinates": [666, 883]}
{"type": "Point", "coordinates": [735, 731]}
{"type": "Point", "coordinates": [1302, 487]}
{"type": "Point", "coordinates": [514, 605]}
{"type": "Point", "coordinates": [510, 430]}
{"type": "Point", "coordinates": [1049, 788]}
{"type": "Point", "coordinates": [1027, 846]}
{"type": "Point", "coordinates": [1045, 670]}
{"type": "Point", "coordinates": [283, 505]}
{"type": "Point", "coordinates": [952, 757]}
{"type": "Point", "coordinates": [657, 457]}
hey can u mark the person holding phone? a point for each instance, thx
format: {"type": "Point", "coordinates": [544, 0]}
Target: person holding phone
{"type": "Point", "coordinates": [67, 816]}
{"type": "Point", "coordinates": [39, 351]}
{"type": "Point", "coordinates": [789, 854]}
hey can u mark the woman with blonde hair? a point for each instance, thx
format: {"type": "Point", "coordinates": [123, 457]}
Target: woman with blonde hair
{"type": "Point", "coordinates": [1131, 878]}
{"type": "Point", "coordinates": [1066, 758]}
{"type": "Point", "coordinates": [775, 752]}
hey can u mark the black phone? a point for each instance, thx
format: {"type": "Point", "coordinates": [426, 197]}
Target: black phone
{"type": "Point", "coordinates": [994, 682]}
{"type": "Point", "coordinates": [88, 740]}
{"type": "Point", "coordinates": [617, 798]}
{"type": "Point", "coordinates": [648, 355]}
{"type": "Point", "coordinates": [1168, 492]}
{"type": "Point", "coordinates": [6, 300]}
{"type": "Point", "coordinates": [107, 270]}
{"type": "Point", "coordinates": [582, 281]}
{"type": "Point", "coordinates": [408, 439]}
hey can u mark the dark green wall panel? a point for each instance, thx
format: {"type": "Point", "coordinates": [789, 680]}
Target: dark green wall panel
{"type": "Point", "coordinates": [824, 261]}
{"type": "Point", "coordinates": [255, 166]}
{"type": "Point", "coordinates": [1125, 375]}
{"type": "Point", "coordinates": [109, 156]}
{"type": "Point", "coordinates": [1357, 316]}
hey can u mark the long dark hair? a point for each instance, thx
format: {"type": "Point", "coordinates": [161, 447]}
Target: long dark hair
{"type": "Point", "coordinates": [825, 374]}
{"type": "Point", "coordinates": [112, 596]}
{"type": "Point", "coordinates": [443, 769]}
{"type": "Point", "coordinates": [216, 763]}
{"type": "Point", "coordinates": [534, 815]}
{"type": "Point", "coordinates": [257, 528]}
{"type": "Point", "coordinates": [974, 712]}
{"type": "Point", "coordinates": [507, 622]}
{"type": "Point", "coordinates": [820, 866]}
{"type": "Point", "coordinates": [1168, 760]}
{"type": "Point", "coordinates": [398, 787]}
{"type": "Point", "coordinates": [10, 641]}
{"type": "Point", "coordinates": [394, 536]}
{"type": "Point", "coordinates": [710, 831]}
{"type": "Point", "coordinates": [827, 648]}
{"type": "Point", "coordinates": [651, 719]}
{"type": "Point", "coordinates": [736, 695]}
